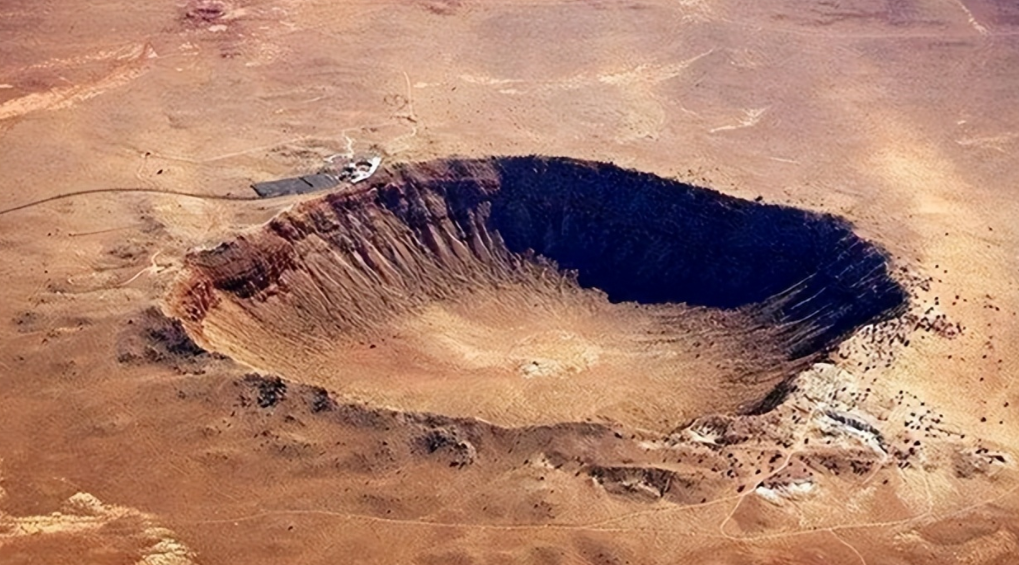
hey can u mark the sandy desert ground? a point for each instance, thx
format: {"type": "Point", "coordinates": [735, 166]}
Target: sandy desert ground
{"type": "Point", "coordinates": [130, 134]}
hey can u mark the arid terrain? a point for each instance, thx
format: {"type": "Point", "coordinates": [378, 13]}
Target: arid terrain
{"type": "Point", "coordinates": [636, 282]}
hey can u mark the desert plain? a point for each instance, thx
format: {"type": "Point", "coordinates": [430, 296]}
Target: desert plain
{"type": "Point", "coordinates": [447, 364]}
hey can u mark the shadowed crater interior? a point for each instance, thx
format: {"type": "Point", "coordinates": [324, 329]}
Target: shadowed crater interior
{"type": "Point", "coordinates": [531, 289]}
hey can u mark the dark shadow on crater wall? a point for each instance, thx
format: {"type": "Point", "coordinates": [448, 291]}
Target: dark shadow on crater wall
{"type": "Point", "coordinates": [642, 238]}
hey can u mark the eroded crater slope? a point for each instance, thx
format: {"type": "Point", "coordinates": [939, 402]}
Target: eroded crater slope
{"type": "Point", "coordinates": [533, 290]}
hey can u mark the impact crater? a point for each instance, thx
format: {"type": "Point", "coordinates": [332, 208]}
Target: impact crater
{"type": "Point", "coordinates": [533, 290]}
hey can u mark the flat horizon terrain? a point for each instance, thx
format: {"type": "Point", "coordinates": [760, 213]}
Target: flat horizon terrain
{"type": "Point", "coordinates": [386, 373]}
